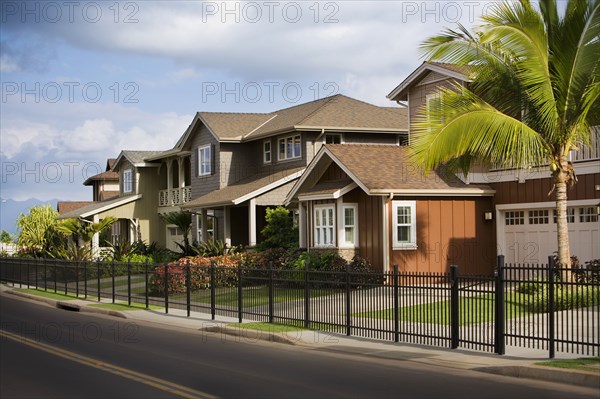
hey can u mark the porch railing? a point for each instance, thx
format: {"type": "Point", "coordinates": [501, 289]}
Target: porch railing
{"type": "Point", "coordinates": [174, 196]}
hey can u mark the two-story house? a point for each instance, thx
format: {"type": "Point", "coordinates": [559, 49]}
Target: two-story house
{"type": "Point", "coordinates": [227, 168]}
{"type": "Point", "coordinates": [135, 205]}
{"type": "Point", "coordinates": [370, 200]}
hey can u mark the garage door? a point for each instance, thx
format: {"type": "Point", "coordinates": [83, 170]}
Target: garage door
{"type": "Point", "coordinates": [530, 234]}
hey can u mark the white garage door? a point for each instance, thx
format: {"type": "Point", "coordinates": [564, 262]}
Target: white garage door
{"type": "Point", "coordinates": [530, 235]}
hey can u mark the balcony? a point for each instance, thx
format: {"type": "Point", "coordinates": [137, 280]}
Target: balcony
{"type": "Point", "coordinates": [587, 153]}
{"type": "Point", "coordinates": [174, 196]}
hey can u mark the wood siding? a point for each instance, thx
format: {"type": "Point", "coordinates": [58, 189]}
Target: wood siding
{"type": "Point", "coordinates": [370, 227]}
{"type": "Point", "coordinates": [417, 94]}
{"type": "Point", "coordinates": [202, 185]}
{"type": "Point", "coordinates": [536, 190]}
{"type": "Point", "coordinates": [449, 231]}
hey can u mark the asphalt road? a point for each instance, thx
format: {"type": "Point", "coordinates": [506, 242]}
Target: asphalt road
{"type": "Point", "coordinates": [47, 352]}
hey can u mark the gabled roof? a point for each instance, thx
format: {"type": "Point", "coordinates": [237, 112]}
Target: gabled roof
{"type": "Point", "coordinates": [98, 207]}
{"type": "Point", "coordinates": [136, 158]}
{"type": "Point", "coordinates": [245, 189]}
{"type": "Point", "coordinates": [385, 170]}
{"type": "Point", "coordinates": [68, 206]}
{"type": "Point", "coordinates": [337, 112]}
{"type": "Point", "coordinates": [104, 176]}
{"type": "Point", "coordinates": [400, 93]}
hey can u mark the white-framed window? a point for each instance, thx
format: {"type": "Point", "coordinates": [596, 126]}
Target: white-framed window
{"type": "Point", "coordinates": [512, 218]}
{"type": "Point", "coordinates": [324, 226]}
{"type": "Point", "coordinates": [333, 138]}
{"type": "Point", "coordinates": [267, 151]}
{"type": "Point", "coordinates": [127, 181]}
{"type": "Point", "coordinates": [432, 101]}
{"type": "Point", "coordinates": [588, 215]}
{"type": "Point", "coordinates": [290, 147]}
{"type": "Point", "coordinates": [204, 160]}
{"type": "Point", "coordinates": [405, 224]}
{"type": "Point", "coordinates": [570, 215]}
{"type": "Point", "coordinates": [538, 216]}
{"type": "Point", "coordinates": [349, 232]}
{"type": "Point", "coordinates": [210, 228]}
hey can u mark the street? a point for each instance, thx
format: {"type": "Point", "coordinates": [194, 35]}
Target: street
{"type": "Point", "coordinates": [69, 354]}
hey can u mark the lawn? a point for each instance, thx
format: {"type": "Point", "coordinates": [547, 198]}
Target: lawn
{"type": "Point", "coordinates": [48, 294]}
{"type": "Point", "coordinates": [472, 310]}
{"type": "Point", "coordinates": [583, 363]}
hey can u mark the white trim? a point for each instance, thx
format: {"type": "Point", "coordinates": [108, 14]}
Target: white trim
{"type": "Point", "coordinates": [417, 73]}
{"type": "Point", "coordinates": [202, 162]}
{"type": "Point", "coordinates": [302, 226]}
{"type": "Point", "coordinates": [386, 232]}
{"type": "Point", "coordinates": [507, 175]}
{"type": "Point", "coordinates": [259, 126]}
{"type": "Point", "coordinates": [333, 195]}
{"type": "Point", "coordinates": [284, 139]}
{"type": "Point", "coordinates": [464, 192]}
{"type": "Point", "coordinates": [270, 152]}
{"type": "Point", "coordinates": [128, 183]}
{"type": "Point", "coordinates": [412, 244]}
{"type": "Point", "coordinates": [342, 206]}
{"type": "Point", "coordinates": [269, 187]}
{"type": "Point", "coordinates": [111, 206]}
{"type": "Point", "coordinates": [544, 205]}
{"type": "Point", "coordinates": [252, 223]}
{"type": "Point", "coordinates": [331, 226]}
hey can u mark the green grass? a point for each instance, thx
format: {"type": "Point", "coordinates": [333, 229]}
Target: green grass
{"type": "Point", "coordinates": [584, 363]}
{"type": "Point", "coordinates": [124, 306]}
{"type": "Point", "coordinates": [48, 294]}
{"type": "Point", "coordinates": [472, 310]}
{"type": "Point", "coordinates": [268, 327]}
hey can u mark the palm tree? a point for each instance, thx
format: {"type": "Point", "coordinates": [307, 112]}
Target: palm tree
{"type": "Point", "coordinates": [533, 96]}
{"type": "Point", "coordinates": [183, 220]}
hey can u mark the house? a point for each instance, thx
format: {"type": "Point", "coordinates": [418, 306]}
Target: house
{"type": "Point", "coordinates": [370, 200]}
{"type": "Point", "coordinates": [136, 203]}
{"type": "Point", "coordinates": [523, 208]}
{"type": "Point", "coordinates": [227, 168]}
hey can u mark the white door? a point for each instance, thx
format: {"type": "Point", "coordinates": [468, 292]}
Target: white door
{"type": "Point", "coordinates": [530, 234]}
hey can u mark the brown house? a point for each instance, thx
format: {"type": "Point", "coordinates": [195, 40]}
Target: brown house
{"type": "Point", "coordinates": [523, 210]}
{"type": "Point", "coordinates": [369, 200]}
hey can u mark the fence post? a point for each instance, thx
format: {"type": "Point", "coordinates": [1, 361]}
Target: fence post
{"type": "Point", "coordinates": [98, 279]}
{"type": "Point", "coordinates": [306, 296]}
{"type": "Point", "coordinates": [166, 287]}
{"type": "Point", "coordinates": [454, 308]}
{"type": "Point", "coordinates": [240, 292]}
{"type": "Point", "coordinates": [348, 301]}
{"type": "Point", "coordinates": [128, 282]}
{"type": "Point", "coordinates": [271, 316]}
{"type": "Point", "coordinates": [188, 281]}
{"type": "Point", "coordinates": [112, 274]}
{"type": "Point", "coordinates": [77, 279]}
{"type": "Point", "coordinates": [35, 274]}
{"type": "Point", "coordinates": [146, 286]}
{"type": "Point", "coordinates": [27, 271]}
{"type": "Point", "coordinates": [65, 279]}
{"type": "Point", "coordinates": [396, 305]}
{"type": "Point", "coordinates": [85, 264]}
{"type": "Point", "coordinates": [212, 290]}
{"type": "Point", "coordinates": [551, 306]}
{"type": "Point", "coordinates": [55, 276]}
{"type": "Point", "coordinates": [45, 276]}
{"type": "Point", "coordinates": [499, 324]}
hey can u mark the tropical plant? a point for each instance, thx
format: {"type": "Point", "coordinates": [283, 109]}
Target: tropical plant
{"type": "Point", "coordinates": [213, 248]}
{"type": "Point", "coordinates": [36, 229]}
{"type": "Point", "coordinates": [279, 231]}
{"type": "Point", "coordinates": [82, 230]}
{"type": "Point", "coordinates": [183, 220]}
{"type": "Point", "coordinates": [533, 96]}
{"type": "Point", "coordinates": [5, 237]}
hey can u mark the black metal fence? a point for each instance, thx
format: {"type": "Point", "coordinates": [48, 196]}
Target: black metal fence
{"type": "Point", "coordinates": [528, 306]}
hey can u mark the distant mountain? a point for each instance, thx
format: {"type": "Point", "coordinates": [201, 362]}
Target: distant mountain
{"type": "Point", "coordinates": [10, 210]}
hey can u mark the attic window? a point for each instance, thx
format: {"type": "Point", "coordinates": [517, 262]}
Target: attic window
{"type": "Point", "coordinates": [290, 148]}
{"type": "Point", "coordinates": [127, 181]}
{"type": "Point", "coordinates": [333, 139]}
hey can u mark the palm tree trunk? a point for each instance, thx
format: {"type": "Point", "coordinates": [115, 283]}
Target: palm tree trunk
{"type": "Point", "coordinates": [561, 177]}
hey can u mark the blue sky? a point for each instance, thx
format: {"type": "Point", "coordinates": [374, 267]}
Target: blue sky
{"type": "Point", "coordinates": [82, 80]}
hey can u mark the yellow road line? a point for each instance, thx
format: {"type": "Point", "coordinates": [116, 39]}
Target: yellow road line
{"type": "Point", "coordinates": [154, 382]}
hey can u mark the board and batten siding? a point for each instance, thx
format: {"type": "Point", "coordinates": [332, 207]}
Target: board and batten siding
{"type": "Point", "coordinates": [449, 231]}
{"type": "Point", "coordinates": [202, 185]}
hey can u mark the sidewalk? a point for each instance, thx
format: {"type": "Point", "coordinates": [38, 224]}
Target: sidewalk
{"type": "Point", "coordinates": [518, 362]}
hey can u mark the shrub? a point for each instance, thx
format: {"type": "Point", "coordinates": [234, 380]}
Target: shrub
{"type": "Point", "coordinates": [279, 231]}
{"type": "Point", "coordinates": [531, 287]}
{"type": "Point", "coordinates": [565, 299]}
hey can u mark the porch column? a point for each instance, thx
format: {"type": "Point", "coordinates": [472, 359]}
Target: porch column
{"type": "Point", "coordinates": [95, 240]}
{"type": "Point", "coordinates": [181, 173]}
{"type": "Point", "coordinates": [302, 227]}
{"type": "Point", "coordinates": [204, 220]}
{"type": "Point", "coordinates": [227, 225]}
{"type": "Point", "coordinates": [169, 175]}
{"type": "Point", "coordinates": [252, 222]}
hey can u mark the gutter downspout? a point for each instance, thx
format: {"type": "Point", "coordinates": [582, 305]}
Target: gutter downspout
{"type": "Point", "coordinates": [319, 137]}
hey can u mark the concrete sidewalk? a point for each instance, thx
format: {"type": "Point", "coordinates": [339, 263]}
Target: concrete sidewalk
{"type": "Point", "coordinates": [518, 362]}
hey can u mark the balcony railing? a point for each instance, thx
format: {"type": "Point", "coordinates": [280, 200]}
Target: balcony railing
{"type": "Point", "coordinates": [587, 153]}
{"type": "Point", "coordinates": [174, 196]}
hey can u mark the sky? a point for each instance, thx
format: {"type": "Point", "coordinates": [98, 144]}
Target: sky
{"type": "Point", "coordinates": [81, 81]}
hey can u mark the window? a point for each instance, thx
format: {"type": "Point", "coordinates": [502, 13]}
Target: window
{"type": "Point", "coordinates": [127, 181]}
{"type": "Point", "coordinates": [267, 151]}
{"type": "Point", "coordinates": [324, 222]}
{"type": "Point", "coordinates": [588, 215]}
{"type": "Point", "coordinates": [290, 148]}
{"type": "Point", "coordinates": [204, 161]}
{"type": "Point", "coordinates": [210, 230]}
{"type": "Point", "coordinates": [432, 101]}
{"type": "Point", "coordinates": [405, 226]}
{"type": "Point", "coordinates": [570, 215]}
{"type": "Point", "coordinates": [514, 217]}
{"type": "Point", "coordinates": [539, 216]}
{"type": "Point", "coordinates": [350, 231]}
{"type": "Point", "coordinates": [333, 139]}
{"type": "Point", "coordinates": [403, 140]}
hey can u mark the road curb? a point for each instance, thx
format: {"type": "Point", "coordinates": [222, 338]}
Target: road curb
{"type": "Point", "coordinates": [252, 334]}
{"type": "Point", "coordinates": [572, 377]}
